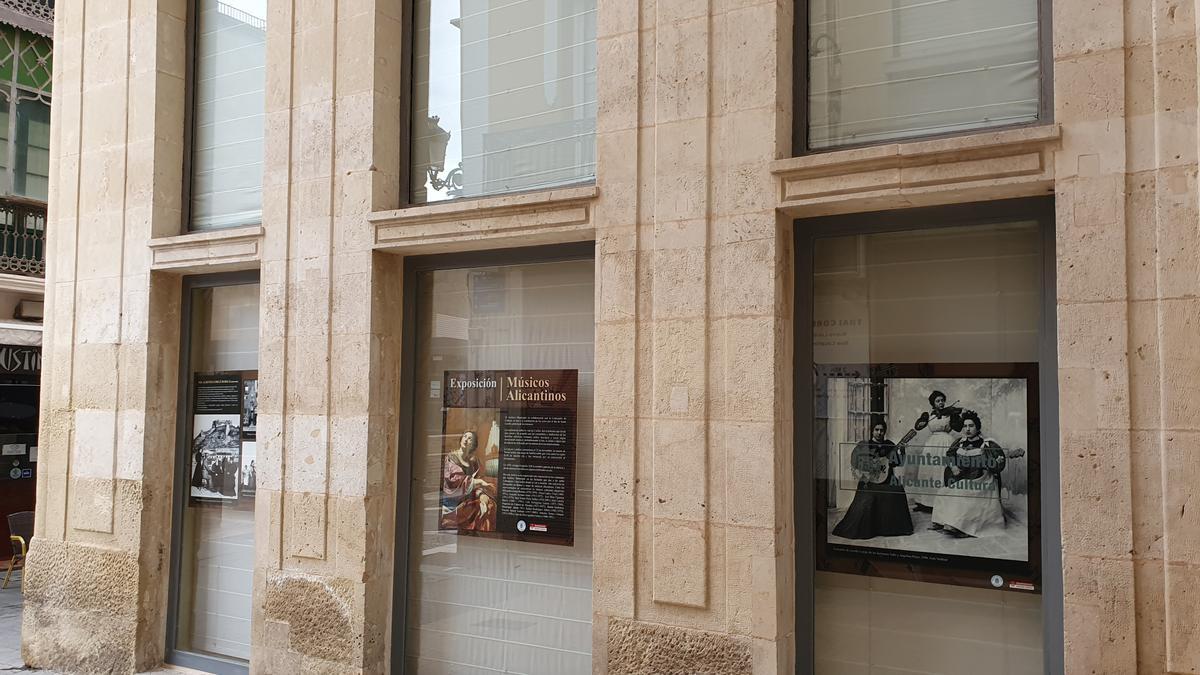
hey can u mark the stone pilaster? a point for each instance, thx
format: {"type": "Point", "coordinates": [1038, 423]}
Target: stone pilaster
{"type": "Point", "coordinates": [692, 304]}
{"type": "Point", "coordinates": [328, 358]}
{"type": "Point", "coordinates": [1128, 311]}
{"type": "Point", "coordinates": [96, 579]}
{"type": "Point", "coordinates": [1164, 315]}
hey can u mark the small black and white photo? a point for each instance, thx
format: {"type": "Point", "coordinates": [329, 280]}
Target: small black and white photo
{"type": "Point", "coordinates": [934, 466]}
{"type": "Point", "coordinates": [216, 457]}
{"type": "Point", "coordinates": [249, 407]}
{"type": "Point", "coordinates": [249, 475]}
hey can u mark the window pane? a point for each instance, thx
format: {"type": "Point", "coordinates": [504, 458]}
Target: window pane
{"type": "Point", "coordinates": [8, 46]}
{"type": "Point", "coordinates": [4, 149]}
{"type": "Point", "coordinates": [228, 91]}
{"type": "Point", "coordinates": [889, 69]}
{"type": "Point", "coordinates": [925, 450]}
{"type": "Point", "coordinates": [31, 169]}
{"type": "Point", "coordinates": [504, 96]}
{"type": "Point", "coordinates": [490, 588]}
{"type": "Point", "coordinates": [217, 559]}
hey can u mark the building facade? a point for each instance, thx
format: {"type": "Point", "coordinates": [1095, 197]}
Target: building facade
{"type": "Point", "coordinates": [26, 61]}
{"type": "Point", "coordinates": [630, 337]}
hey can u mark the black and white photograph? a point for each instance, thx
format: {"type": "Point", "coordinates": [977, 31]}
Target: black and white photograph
{"type": "Point", "coordinates": [249, 407]}
{"type": "Point", "coordinates": [249, 475]}
{"type": "Point", "coordinates": [928, 469]}
{"type": "Point", "coordinates": [216, 457]}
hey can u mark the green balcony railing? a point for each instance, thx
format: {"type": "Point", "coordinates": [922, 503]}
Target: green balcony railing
{"type": "Point", "coordinates": [22, 239]}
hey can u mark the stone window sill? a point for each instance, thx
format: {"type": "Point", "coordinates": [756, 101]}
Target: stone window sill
{"type": "Point", "coordinates": [236, 248]}
{"type": "Point", "coordinates": [993, 165]}
{"type": "Point", "coordinates": [549, 216]}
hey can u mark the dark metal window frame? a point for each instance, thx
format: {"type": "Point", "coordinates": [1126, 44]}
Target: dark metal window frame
{"type": "Point", "coordinates": [801, 82]}
{"type": "Point", "coordinates": [173, 655]}
{"type": "Point", "coordinates": [413, 267]}
{"type": "Point", "coordinates": [806, 231]}
{"type": "Point", "coordinates": [190, 36]}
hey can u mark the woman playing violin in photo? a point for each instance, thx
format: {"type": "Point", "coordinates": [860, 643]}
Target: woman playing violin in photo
{"type": "Point", "coordinates": [944, 424]}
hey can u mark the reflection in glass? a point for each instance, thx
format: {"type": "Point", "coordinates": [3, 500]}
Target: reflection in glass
{"type": "Point", "coordinates": [504, 96]}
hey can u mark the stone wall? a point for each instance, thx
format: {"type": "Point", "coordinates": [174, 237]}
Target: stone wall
{"type": "Point", "coordinates": [692, 215]}
{"type": "Point", "coordinates": [1126, 196]}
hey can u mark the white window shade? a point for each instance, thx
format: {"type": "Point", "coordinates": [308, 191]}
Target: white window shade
{"type": "Point", "coordinates": [889, 69]}
{"type": "Point", "coordinates": [228, 91]}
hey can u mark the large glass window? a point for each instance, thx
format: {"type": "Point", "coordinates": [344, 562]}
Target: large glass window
{"type": "Point", "coordinates": [500, 546]}
{"type": "Point", "coordinates": [890, 69]}
{"type": "Point", "coordinates": [215, 540]}
{"type": "Point", "coordinates": [228, 85]}
{"type": "Point", "coordinates": [504, 96]}
{"type": "Point", "coordinates": [925, 415]}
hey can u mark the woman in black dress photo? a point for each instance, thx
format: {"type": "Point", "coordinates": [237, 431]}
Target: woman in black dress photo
{"type": "Point", "coordinates": [880, 507]}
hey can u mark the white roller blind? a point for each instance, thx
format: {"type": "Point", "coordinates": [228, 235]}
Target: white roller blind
{"type": "Point", "coordinates": [479, 604]}
{"type": "Point", "coordinates": [890, 69]}
{"type": "Point", "coordinates": [228, 90]}
{"type": "Point", "coordinates": [513, 83]}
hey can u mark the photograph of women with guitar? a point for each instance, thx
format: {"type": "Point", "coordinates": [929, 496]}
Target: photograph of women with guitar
{"type": "Point", "coordinates": [880, 507]}
{"type": "Point", "coordinates": [942, 489]}
{"type": "Point", "coordinates": [970, 504]}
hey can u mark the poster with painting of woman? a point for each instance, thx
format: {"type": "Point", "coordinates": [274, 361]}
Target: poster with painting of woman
{"type": "Point", "coordinates": [508, 454]}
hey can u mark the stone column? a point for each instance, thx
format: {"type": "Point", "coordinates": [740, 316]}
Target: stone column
{"type": "Point", "coordinates": [693, 461]}
{"type": "Point", "coordinates": [95, 585]}
{"type": "Point", "coordinates": [329, 340]}
{"type": "Point", "coordinates": [1163, 235]}
{"type": "Point", "coordinates": [1128, 313]}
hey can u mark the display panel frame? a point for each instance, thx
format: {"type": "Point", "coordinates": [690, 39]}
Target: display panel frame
{"type": "Point", "coordinates": [805, 234]}
{"type": "Point", "coordinates": [952, 562]}
{"type": "Point", "coordinates": [414, 266]}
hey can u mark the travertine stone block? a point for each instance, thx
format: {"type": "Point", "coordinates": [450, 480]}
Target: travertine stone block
{"type": "Point", "coordinates": [1182, 606]}
{"type": "Point", "coordinates": [1098, 607]}
{"type": "Point", "coordinates": [66, 586]}
{"type": "Point", "coordinates": [638, 647]}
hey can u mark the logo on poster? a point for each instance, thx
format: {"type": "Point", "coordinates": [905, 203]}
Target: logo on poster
{"type": "Point", "coordinates": [520, 526]}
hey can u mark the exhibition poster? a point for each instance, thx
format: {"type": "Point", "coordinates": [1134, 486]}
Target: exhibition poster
{"type": "Point", "coordinates": [929, 472]}
{"type": "Point", "coordinates": [224, 419]}
{"type": "Point", "coordinates": [508, 454]}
